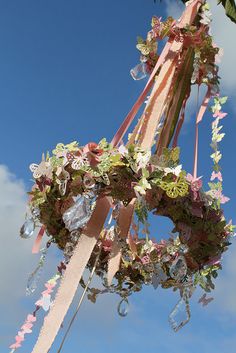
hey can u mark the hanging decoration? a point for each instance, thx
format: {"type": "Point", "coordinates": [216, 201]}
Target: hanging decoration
{"type": "Point", "coordinates": [94, 201]}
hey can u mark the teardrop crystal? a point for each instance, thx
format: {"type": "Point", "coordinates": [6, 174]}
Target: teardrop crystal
{"type": "Point", "coordinates": [178, 269]}
{"type": "Point", "coordinates": [123, 307]}
{"type": "Point", "coordinates": [35, 275]}
{"type": "Point", "coordinates": [139, 71]}
{"type": "Point", "coordinates": [27, 229]}
{"type": "Point", "coordinates": [180, 315]}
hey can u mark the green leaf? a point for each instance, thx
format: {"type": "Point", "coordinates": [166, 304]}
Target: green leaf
{"type": "Point", "coordinates": [230, 9]}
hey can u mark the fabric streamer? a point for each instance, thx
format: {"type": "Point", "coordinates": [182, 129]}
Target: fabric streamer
{"type": "Point", "coordinates": [71, 277]}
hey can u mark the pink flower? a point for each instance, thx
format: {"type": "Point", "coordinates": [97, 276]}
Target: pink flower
{"type": "Point", "coordinates": [215, 175]}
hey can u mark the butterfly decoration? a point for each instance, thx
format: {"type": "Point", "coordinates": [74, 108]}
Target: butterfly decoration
{"type": "Point", "coordinates": [45, 302]}
{"type": "Point", "coordinates": [62, 178]}
{"type": "Point", "coordinates": [175, 188]}
{"type": "Point", "coordinates": [204, 300]}
{"type": "Point", "coordinates": [79, 161]}
{"type": "Point", "coordinates": [146, 47]}
{"type": "Point", "coordinates": [62, 149]}
{"type": "Point", "coordinates": [42, 169]}
{"type": "Point", "coordinates": [217, 175]}
{"type": "Point", "coordinates": [176, 171]}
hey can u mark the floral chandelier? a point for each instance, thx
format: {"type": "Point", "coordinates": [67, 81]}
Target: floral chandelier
{"type": "Point", "coordinates": [94, 201]}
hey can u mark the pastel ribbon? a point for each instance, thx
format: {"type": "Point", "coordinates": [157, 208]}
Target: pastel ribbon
{"type": "Point", "coordinates": [198, 120]}
{"type": "Point", "coordinates": [187, 18]}
{"type": "Point", "coordinates": [124, 223]}
{"type": "Point", "coordinates": [38, 240]}
{"type": "Point", "coordinates": [71, 277]}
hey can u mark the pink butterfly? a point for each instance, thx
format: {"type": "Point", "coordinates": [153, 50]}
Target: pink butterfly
{"type": "Point", "coordinates": [15, 345]}
{"type": "Point", "coordinates": [21, 334]}
{"type": "Point", "coordinates": [204, 300]}
{"type": "Point", "coordinates": [215, 175]}
{"type": "Point", "coordinates": [27, 325]}
{"type": "Point", "coordinates": [195, 184]}
{"type": "Point", "coordinates": [31, 318]}
{"type": "Point", "coordinates": [26, 329]}
{"type": "Point", "coordinates": [224, 199]}
{"type": "Point", "coordinates": [50, 285]}
{"type": "Point", "coordinates": [219, 114]}
{"type": "Point", "coordinates": [19, 339]}
{"type": "Point", "coordinates": [218, 194]}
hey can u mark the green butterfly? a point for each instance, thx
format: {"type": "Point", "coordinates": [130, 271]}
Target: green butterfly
{"type": "Point", "coordinates": [174, 189]}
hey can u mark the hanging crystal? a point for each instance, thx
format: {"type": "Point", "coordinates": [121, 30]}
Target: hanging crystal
{"type": "Point", "coordinates": [123, 307]}
{"type": "Point", "coordinates": [78, 214]}
{"type": "Point", "coordinates": [139, 71]}
{"type": "Point", "coordinates": [35, 275]}
{"type": "Point", "coordinates": [158, 276]}
{"type": "Point", "coordinates": [180, 315]}
{"type": "Point", "coordinates": [27, 229]}
{"type": "Point", "coordinates": [178, 269]}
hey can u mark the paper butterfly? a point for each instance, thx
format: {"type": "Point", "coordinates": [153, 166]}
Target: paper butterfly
{"type": "Point", "coordinates": [175, 189]}
{"type": "Point", "coordinates": [45, 302]}
{"type": "Point", "coordinates": [204, 300]}
{"type": "Point", "coordinates": [176, 171]}
{"type": "Point", "coordinates": [62, 178]}
{"type": "Point", "coordinates": [41, 169]}
{"type": "Point", "coordinates": [215, 175]}
{"type": "Point", "coordinates": [79, 162]}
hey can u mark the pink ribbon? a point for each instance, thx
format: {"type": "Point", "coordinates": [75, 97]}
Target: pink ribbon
{"type": "Point", "coordinates": [131, 115]}
{"type": "Point", "coordinates": [38, 240]}
{"type": "Point", "coordinates": [187, 18]}
{"type": "Point", "coordinates": [198, 120]}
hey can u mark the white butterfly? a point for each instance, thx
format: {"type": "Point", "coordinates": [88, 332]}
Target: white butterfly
{"type": "Point", "coordinates": [176, 171]}
{"type": "Point", "coordinates": [44, 168]}
{"type": "Point", "coordinates": [46, 302]}
{"type": "Point", "coordinates": [79, 162]}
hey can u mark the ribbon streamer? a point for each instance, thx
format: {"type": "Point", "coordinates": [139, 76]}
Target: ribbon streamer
{"type": "Point", "coordinates": [71, 277]}
{"type": "Point", "coordinates": [199, 118]}
{"type": "Point", "coordinates": [124, 223]}
{"type": "Point", "coordinates": [38, 240]}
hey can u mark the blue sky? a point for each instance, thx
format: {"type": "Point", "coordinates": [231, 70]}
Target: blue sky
{"type": "Point", "coordinates": [64, 76]}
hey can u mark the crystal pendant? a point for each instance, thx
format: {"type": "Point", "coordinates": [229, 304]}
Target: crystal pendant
{"type": "Point", "coordinates": [139, 71]}
{"type": "Point", "coordinates": [35, 275]}
{"type": "Point", "coordinates": [123, 307]}
{"type": "Point", "coordinates": [27, 229]}
{"type": "Point", "coordinates": [178, 269]}
{"type": "Point", "coordinates": [78, 214]}
{"type": "Point", "coordinates": [180, 315]}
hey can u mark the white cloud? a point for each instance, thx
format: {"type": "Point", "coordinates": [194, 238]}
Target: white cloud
{"type": "Point", "coordinates": [14, 251]}
{"type": "Point", "coordinates": [17, 260]}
